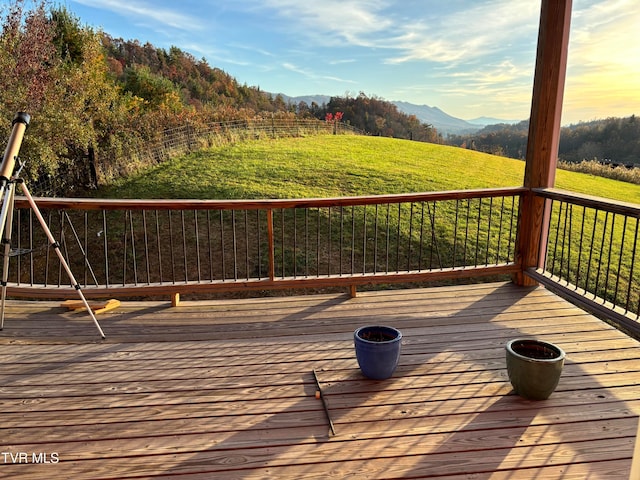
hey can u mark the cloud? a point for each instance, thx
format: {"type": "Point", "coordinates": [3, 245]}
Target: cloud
{"type": "Point", "coordinates": [147, 12]}
{"type": "Point", "coordinates": [444, 35]}
{"type": "Point", "coordinates": [606, 34]}
{"type": "Point", "coordinates": [312, 75]}
{"type": "Point", "coordinates": [332, 22]}
{"type": "Point", "coordinates": [472, 35]}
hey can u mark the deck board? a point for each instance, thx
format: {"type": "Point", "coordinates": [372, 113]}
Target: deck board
{"type": "Point", "coordinates": [224, 389]}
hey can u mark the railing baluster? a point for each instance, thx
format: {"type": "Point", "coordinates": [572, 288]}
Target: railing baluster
{"type": "Point", "coordinates": [159, 246]}
{"type": "Point", "coordinates": [185, 256]}
{"type": "Point", "coordinates": [318, 243]}
{"type": "Point", "coordinates": [246, 244]}
{"type": "Point", "coordinates": [622, 242]}
{"type": "Point", "coordinates": [223, 255]}
{"type": "Point", "coordinates": [387, 238]}
{"type": "Point", "coordinates": [606, 283]}
{"type": "Point", "coordinates": [306, 242]}
{"type": "Point", "coordinates": [234, 240]}
{"type": "Point", "coordinates": [134, 257]}
{"type": "Point", "coordinates": [353, 239]}
{"type": "Point", "coordinates": [196, 232]}
{"type": "Point", "coordinates": [513, 225]}
{"type": "Point", "coordinates": [479, 221]}
{"type": "Point", "coordinates": [634, 251]}
{"type": "Point", "coordinates": [466, 233]}
{"type": "Point", "coordinates": [210, 246]}
{"type": "Point", "coordinates": [489, 219]}
{"type": "Point", "coordinates": [105, 242]}
{"type": "Point", "coordinates": [593, 237]}
{"type": "Point", "coordinates": [454, 262]}
{"type": "Point", "coordinates": [172, 258]}
{"type": "Point", "coordinates": [124, 251]}
{"type": "Point", "coordinates": [271, 241]}
{"type": "Point", "coordinates": [557, 234]}
{"type": "Point", "coordinates": [564, 237]}
{"type": "Point", "coordinates": [329, 243]}
{"type": "Point", "coordinates": [87, 265]}
{"type": "Point", "coordinates": [295, 243]}
{"type": "Point", "coordinates": [146, 246]}
{"type": "Point", "coordinates": [282, 253]}
{"type": "Point", "coordinates": [259, 243]}
{"type": "Point", "coordinates": [580, 246]}
{"type": "Point", "coordinates": [375, 241]}
{"type": "Point", "coordinates": [341, 236]}
{"type": "Point", "coordinates": [63, 247]}
{"type": "Point", "coordinates": [604, 236]}
{"type": "Point", "coordinates": [48, 250]}
{"type": "Point", "coordinates": [421, 239]}
{"type": "Point", "coordinates": [498, 247]}
{"type": "Point", "coordinates": [364, 239]}
{"type": "Point", "coordinates": [398, 222]}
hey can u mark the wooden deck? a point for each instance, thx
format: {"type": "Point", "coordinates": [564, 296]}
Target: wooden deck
{"type": "Point", "coordinates": [224, 389]}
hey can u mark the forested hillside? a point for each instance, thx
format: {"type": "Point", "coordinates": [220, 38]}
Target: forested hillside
{"type": "Point", "coordinates": [157, 75]}
{"type": "Point", "coordinates": [379, 117]}
{"type": "Point", "coordinates": [614, 141]}
{"type": "Point", "coordinates": [154, 73]}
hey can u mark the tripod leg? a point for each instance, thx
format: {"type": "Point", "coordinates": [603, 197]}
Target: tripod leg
{"type": "Point", "coordinates": [6, 220]}
{"type": "Point", "coordinates": [56, 247]}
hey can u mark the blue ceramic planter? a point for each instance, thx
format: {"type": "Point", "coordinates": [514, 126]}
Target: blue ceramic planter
{"type": "Point", "coordinates": [377, 350]}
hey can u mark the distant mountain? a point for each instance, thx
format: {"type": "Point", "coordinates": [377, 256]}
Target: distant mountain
{"type": "Point", "coordinates": [484, 121]}
{"type": "Point", "coordinates": [442, 121]}
{"type": "Point", "coordinates": [308, 99]}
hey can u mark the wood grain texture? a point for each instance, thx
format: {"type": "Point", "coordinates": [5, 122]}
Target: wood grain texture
{"type": "Point", "coordinates": [225, 389]}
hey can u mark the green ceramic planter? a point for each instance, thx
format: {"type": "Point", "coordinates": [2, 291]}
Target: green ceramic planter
{"type": "Point", "coordinates": [534, 367]}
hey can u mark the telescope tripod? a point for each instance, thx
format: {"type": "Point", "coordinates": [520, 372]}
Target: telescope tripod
{"type": "Point", "coordinates": [8, 185]}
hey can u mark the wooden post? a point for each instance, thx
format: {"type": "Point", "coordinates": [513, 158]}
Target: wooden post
{"type": "Point", "coordinates": [175, 299]}
{"type": "Point", "coordinates": [544, 131]}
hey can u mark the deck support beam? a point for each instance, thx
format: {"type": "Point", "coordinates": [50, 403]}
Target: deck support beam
{"type": "Point", "coordinates": [544, 132]}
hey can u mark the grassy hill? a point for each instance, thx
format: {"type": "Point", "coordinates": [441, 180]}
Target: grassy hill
{"type": "Point", "coordinates": [325, 166]}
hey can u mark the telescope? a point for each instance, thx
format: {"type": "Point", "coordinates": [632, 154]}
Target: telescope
{"type": "Point", "coordinates": [19, 124]}
{"type": "Point", "coordinates": [8, 181]}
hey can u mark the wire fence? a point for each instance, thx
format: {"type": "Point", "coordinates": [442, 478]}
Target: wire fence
{"type": "Point", "coordinates": [188, 138]}
{"type": "Point", "coordinates": [102, 166]}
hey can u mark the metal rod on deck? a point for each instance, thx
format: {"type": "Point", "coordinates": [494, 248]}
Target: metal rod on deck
{"type": "Point", "coordinates": [324, 403]}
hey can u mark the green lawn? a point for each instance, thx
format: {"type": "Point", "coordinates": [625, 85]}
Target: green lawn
{"type": "Point", "coordinates": [330, 166]}
{"type": "Point", "coordinates": [325, 166]}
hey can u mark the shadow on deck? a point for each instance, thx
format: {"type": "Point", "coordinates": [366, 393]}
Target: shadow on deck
{"type": "Point", "coordinates": [225, 389]}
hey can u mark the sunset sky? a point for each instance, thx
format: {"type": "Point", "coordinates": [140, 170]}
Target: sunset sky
{"type": "Point", "coordinates": [470, 58]}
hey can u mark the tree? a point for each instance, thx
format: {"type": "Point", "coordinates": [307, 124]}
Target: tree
{"type": "Point", "coordinates": [55, 70]}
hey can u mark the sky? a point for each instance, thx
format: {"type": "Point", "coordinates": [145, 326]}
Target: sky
{"type": "Point", "coordinates": [470, 58]}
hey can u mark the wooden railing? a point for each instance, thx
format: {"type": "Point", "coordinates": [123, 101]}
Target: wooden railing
{"type": "Point", "coordinates": [592, 254]}
{"type": "Point", "coordinates": [590, 250]}
{"type": "Point", "coordinates": [160, 247]}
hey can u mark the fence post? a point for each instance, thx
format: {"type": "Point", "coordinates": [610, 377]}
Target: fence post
{"type": "Point", "coordinates": [544, 132]}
